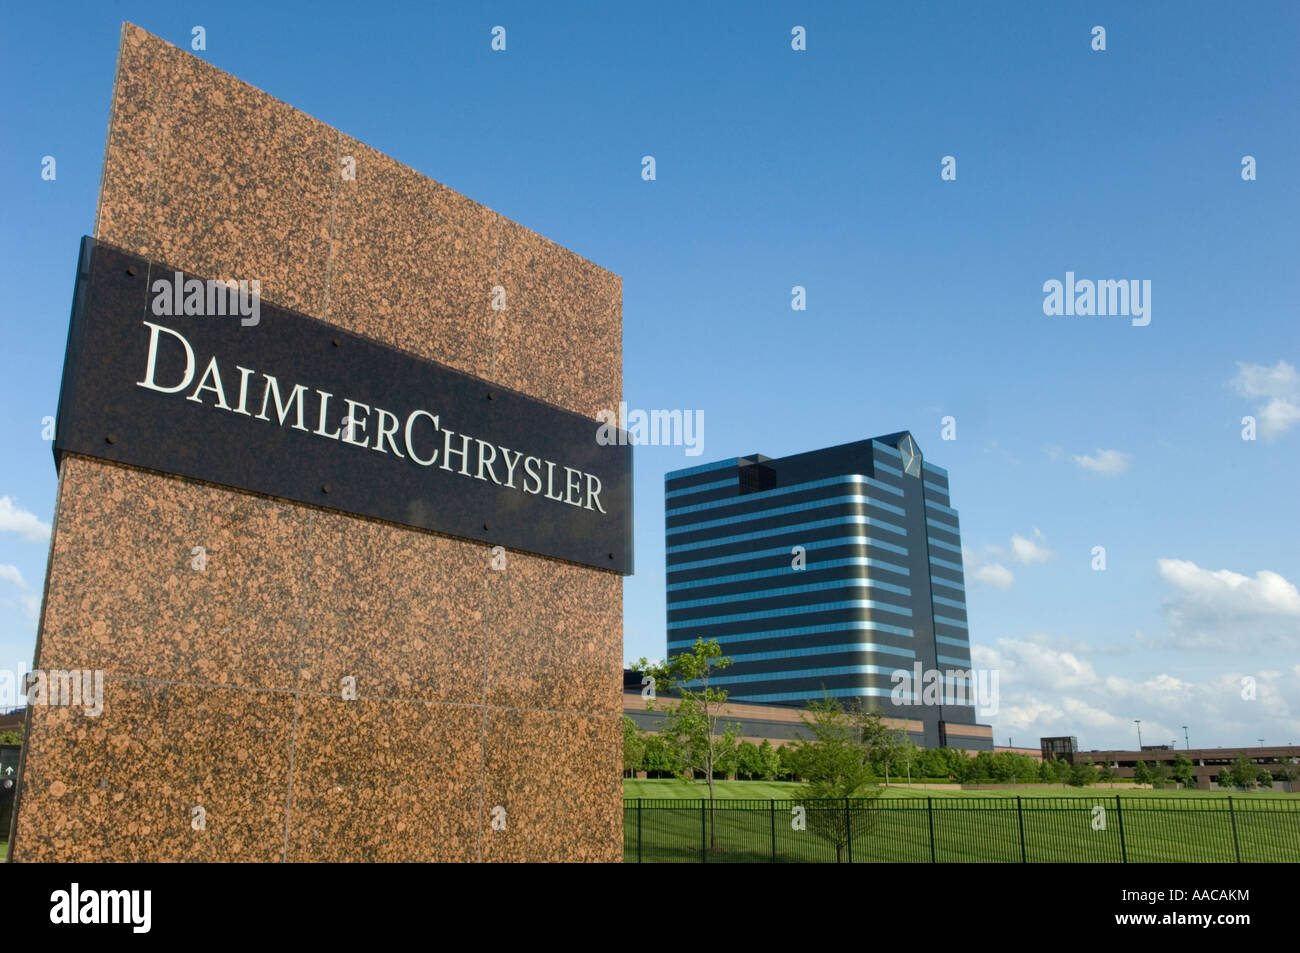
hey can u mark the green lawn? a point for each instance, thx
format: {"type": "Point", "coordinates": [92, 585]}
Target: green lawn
{"type": "Point", "coordinates": [671, 787]}
{"type": "Point", "coordinates": [1092, 791]}
{"type": "Point", "coordinates": [989, 826]}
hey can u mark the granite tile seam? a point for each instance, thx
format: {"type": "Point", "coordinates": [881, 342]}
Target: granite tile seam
{"type": "Point", "coordinates": [494, 318]}
{"type": "Point", "coordinates": [307, 693]}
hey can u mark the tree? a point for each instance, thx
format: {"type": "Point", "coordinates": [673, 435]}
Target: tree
{"type": "Point", "coordinates": [1106, 773]}
{"type": "Point", "coordinates": [1160, 774]}
{"type": "Point", "coordinates": [1001, 769]}
{"type": "Point", "coordinates": [1054, 771]}
{"type": "Point", "coordinates": [1082, 774]}
{"type": "Point", "coordinates": [947, 763]}
{"type": "Point", "coordinates": [982, 767]}
{"type": "Point", "coordinates": [749, 763]}
{"type": "Point", "coordinates": [836, 760]}
{"type": "Point", "coordinates": [633, 747]}
{"type": "Point", "coordinates": [1243, 772]}
{"type": "Point", "coordinates": [693, 728]}
{"type": "Point", "coordinates": [789, 755]}
{"type": "Point", "coordinates": [888, 747]}
{"type": "Point", "coordinates": [908, 756]}
{"type": "Point", "coordinates": [1009, 767]}
{"type": "Point", "coordinates": [1184, 770]}
{"type": "Point", "coordinates": [658, 760]}
{"type": "Point", "coordinates": [930, 763]}
{"type": "Point", "coordinates": [770, 759]}
{"type": "Point", "coordinates": [1141, 773]}
{"type": "Point", "coordinates": [726, 759]}
{"type": "Point", "coordinates": [1024, 768]}
{"type": "Point", "coordinates": [1264, 779]}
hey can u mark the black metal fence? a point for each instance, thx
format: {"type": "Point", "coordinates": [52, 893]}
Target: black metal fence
{"type": "Point", "coordinates": [1101, 829]}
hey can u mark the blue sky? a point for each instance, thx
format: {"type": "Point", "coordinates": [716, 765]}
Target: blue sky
{"type": "Point", "coordinates": [821, 168]}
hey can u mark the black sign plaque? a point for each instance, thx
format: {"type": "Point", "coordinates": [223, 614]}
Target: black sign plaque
{"type": "Point", "coordinates": [201, 379]}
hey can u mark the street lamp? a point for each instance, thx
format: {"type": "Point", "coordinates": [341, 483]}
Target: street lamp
{"type": "Point", "coordinates": [1138, 722]}
{"type": "Point", "coordinates": [1186, 739]}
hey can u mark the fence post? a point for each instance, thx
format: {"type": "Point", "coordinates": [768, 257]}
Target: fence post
{"type": "Point", "coordinates": [1020, 816]}
{"type": "Point", "coordinates": [774, 830]}
{"type": "Point", "coordinates": [1119, 812]}
{"type": "Point", "coordinates": [704, 832]}
{"type": "Point", "coordinates": [848, 830]}
{"type": "Point", "coordinates": [929, 809]}
{"type": "Point", "coordinates": [1236, 847]}
{"type": "Point", "coordinates": [638, 831]}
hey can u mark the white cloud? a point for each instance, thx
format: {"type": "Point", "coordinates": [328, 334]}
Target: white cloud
{"type": "Point", "coordinates": [990, 574]}
{"type": "Point", "coordinates": [1082, 647]}
{"type": "Point", "coordinates": [1267, 592]}
{"type": "Point", "coordinates": [993, 574]}
{"type": "Point", "coordinates": [1278, 387]}
{"type": "Point", "coordinates": [16, 520]}
{"type": "Point", "coordinates": [1022, 661]}
{"type": "Point", "coordinates": [1257, 380]}
{"type": "Point", "coordinates": [1030, 551]}
{"type": "Point", "coordinates": [1047, 690]}
{"type": "Point", "coordinates": [1107, 463]}
{"type": "Point", "coordinates": [1225, 610]}
{"type": "Point", "coordinates": [30, 601]}
{"type": "Point", "coordinates": [1276, 417]}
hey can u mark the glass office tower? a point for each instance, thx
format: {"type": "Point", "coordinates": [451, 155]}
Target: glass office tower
{"type": "Point", "coordinates": [825, 573]}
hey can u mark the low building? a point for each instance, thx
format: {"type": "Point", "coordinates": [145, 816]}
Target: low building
{"type": "Point", "coordinates": [1060, 748]}
{"type": "Point", "coordinates": [777, 724]}
{"type": "Point", "coordinates": [1208, 762]}
{"type": "Point", "coordinates": [13, 719]}
{"type": "Point", "coordinates": [1035, 753]}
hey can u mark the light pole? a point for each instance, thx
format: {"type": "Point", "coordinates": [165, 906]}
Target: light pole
{"type": "Point", "coordinates": [1138, 722]}
{"type": "Point", "coordinates": [1187, 740]}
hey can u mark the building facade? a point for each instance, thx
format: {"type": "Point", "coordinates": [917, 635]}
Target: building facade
{"type": "Point", "coordinates": [834, 572]}
{"type": "Point", "coordinates": [1059, 747]}
{"type": "Point", "coordinates": [1208, 763]}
